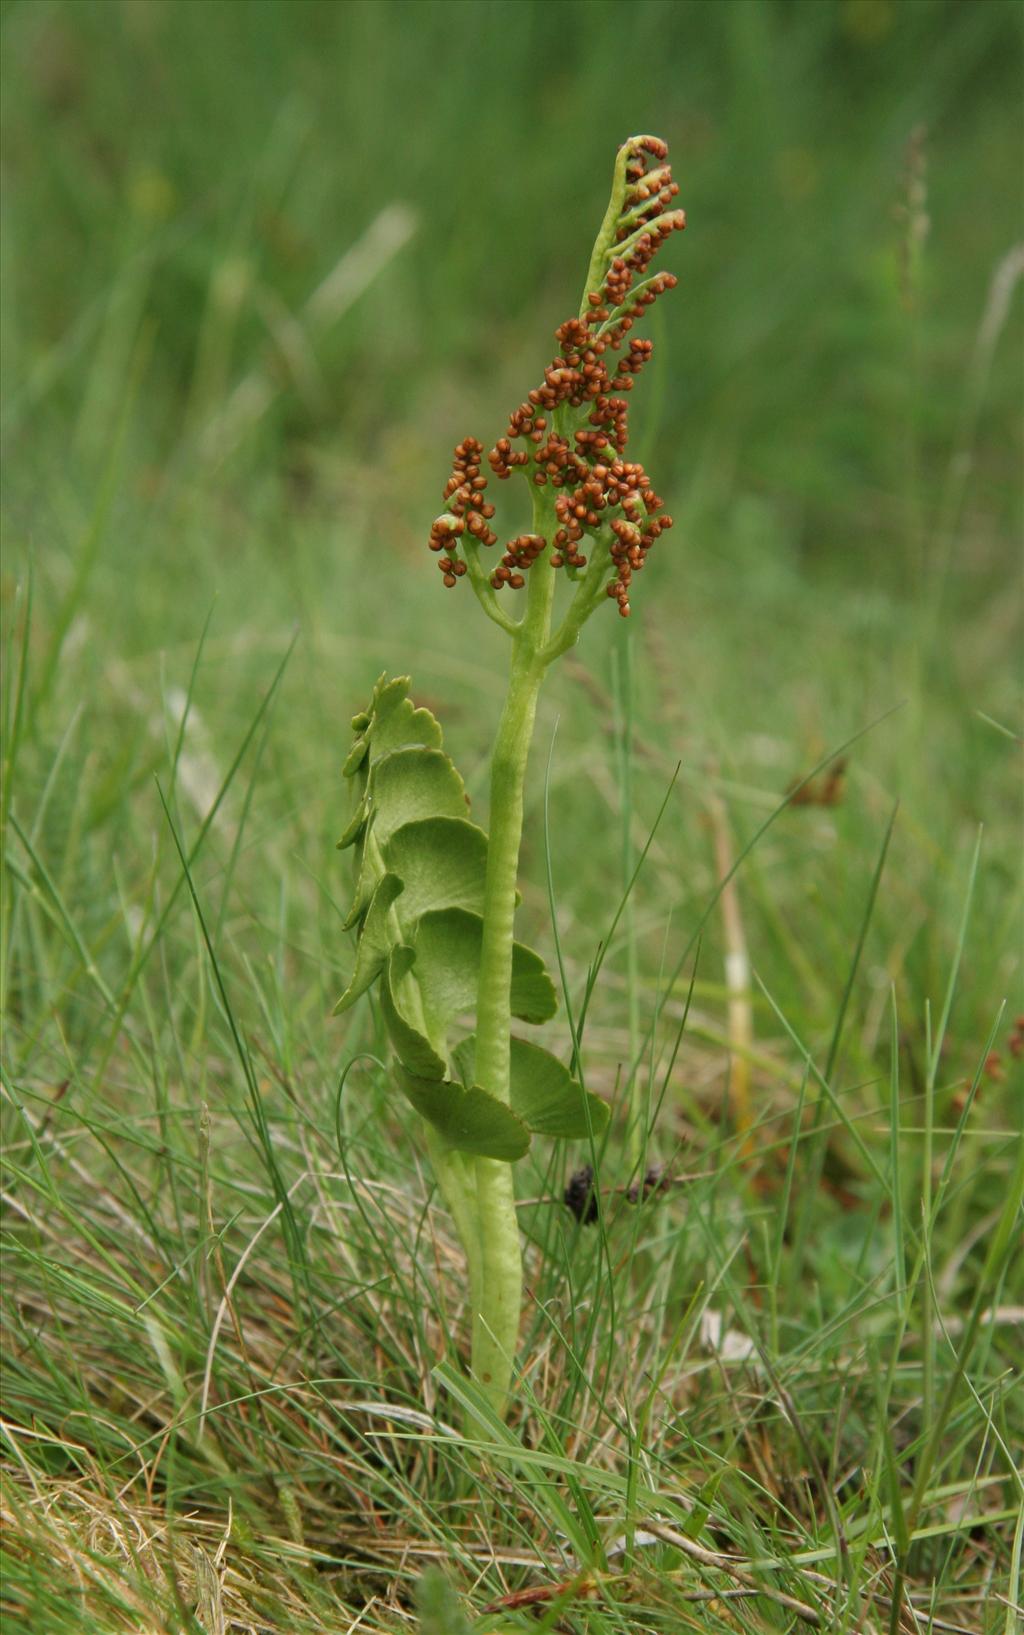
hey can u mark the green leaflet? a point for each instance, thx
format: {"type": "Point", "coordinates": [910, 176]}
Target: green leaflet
{"type": "Point", "coordinates": [374, 943]}
{"type": "Point", "coordinates": [405, 785]}
{"type": "Point", "coordinates": [420, 870]}
{"type": "Point", "coordinates": [441, 861]}
{"type": "Point", "coordinates": [391, 722]}
{"type": "Point", "coordinates": [447, 944]}
{"type": "Point", "coordinates": [415, 783]}
{"type": "Point", "coordinates": [471, 1120]}
{"type": "Point", "coordinates": [397, 996]}
{"type": "Point", "coordinates": [544, 1094]}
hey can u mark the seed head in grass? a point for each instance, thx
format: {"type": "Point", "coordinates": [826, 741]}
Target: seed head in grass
{"type": "Point", "coordinates": [570, 435]}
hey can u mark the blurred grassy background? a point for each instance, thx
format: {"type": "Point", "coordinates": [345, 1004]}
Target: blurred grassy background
{"type": "Point", "coordinates": [264, 264]}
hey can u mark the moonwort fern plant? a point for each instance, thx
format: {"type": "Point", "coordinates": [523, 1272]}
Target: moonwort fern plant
{"type": "Point", "coordinates": [435, 896]}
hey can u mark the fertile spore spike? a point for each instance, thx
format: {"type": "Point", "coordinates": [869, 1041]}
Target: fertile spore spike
{"type": "Point", "coordinates": [574, 426]}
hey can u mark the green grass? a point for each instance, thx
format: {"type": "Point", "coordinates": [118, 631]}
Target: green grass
{"type": "Point", "coordinates": [232, 1303]}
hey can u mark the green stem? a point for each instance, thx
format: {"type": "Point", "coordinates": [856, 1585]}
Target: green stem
{"type": "Point", "coordinates": [457, 1181]}
{"type": "Point", "coordinates": [636, 1134]}
{"type": "Point", "coordinates": [508, 771]}
{"type": "Point", "coordinates": [589, 591]}
{"type": "Point", "coordinates": [498, 1293]}
{"type": "Point", "coordinates": [483, 588]}
{"type": "Point", "coordinates": [496, 1312]}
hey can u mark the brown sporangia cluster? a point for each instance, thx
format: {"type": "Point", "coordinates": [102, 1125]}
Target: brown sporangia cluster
{"type": "Point", "coordinates": [521, 552]}
{"type": "Point", "coordinates": [467, 509]}
{"type": "Point", "coordinates": [573, 426]}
